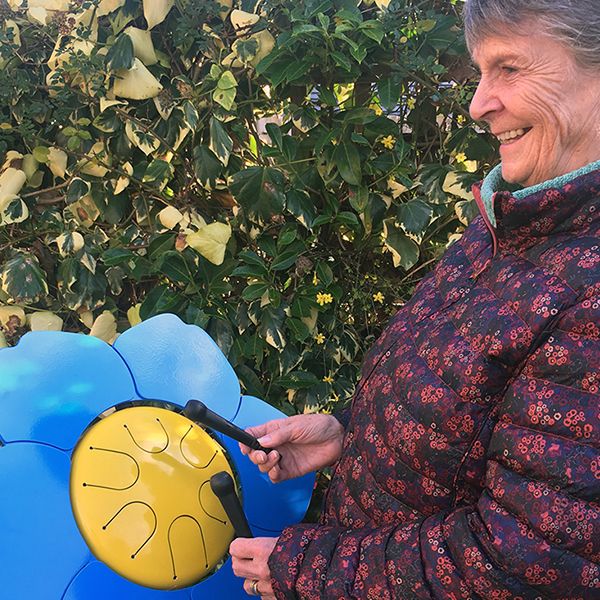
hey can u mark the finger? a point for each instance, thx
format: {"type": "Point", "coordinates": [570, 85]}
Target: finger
{"type": "Point", "coordinates": [252, 587]}
{"type": "Point", "coordinates": [271, 460]}
{"type": "Point", "coordinates": [276, 474]}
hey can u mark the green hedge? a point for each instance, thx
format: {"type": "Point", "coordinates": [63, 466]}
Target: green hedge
{"type": "Point", "coordinates": [282, 177]}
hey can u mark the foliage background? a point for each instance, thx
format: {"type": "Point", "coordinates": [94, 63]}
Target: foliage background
{"type": "Point", "coordinates": [282, 179]}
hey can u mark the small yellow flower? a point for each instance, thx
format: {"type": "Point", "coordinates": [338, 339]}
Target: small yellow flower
{"type": "Point", "coordinates": [377, 109]}
{"type": "Point", "coordinates": [388, 141]}
{"type": "Point", "coordinates": [334, 397]}
{"type": "Point", "coordinates": [323, 299]}
{"type": "Point", "coordinates": [315, 279]}
{"type": "Point", "coordinates": [411, 103]}
{"type": "Point", "coordinates": [461, 120]}
{"type": "Point", "coordinates": [320, 338]}
{"type": "Point", "coordinates": [328, 379]}
{"type": "Point", "coordinates": [460, 157]}
{"type": "Point", "coordinates": [403, 39]}
{"type": "Point", "coordinates": [379, 297]}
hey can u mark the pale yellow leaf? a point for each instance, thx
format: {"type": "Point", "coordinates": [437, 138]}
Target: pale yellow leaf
{"type": "Point", "coordinates": [11, 182]}
{"type": "Point", "coordinates": [105, 327]}
{"type": "Point", "coordinates": [170, 217]}
{"type": "Point", "coordinates": [381, 4]}
{"type": "Point", "coordinates": [11, 156]}
{"type": "Point", "coordinates": [29, 166]}
{"type": "Point", "coordinates": [105, 7]}
{"type": "Point", "coordinates": [136, 83]}
{"type": "Point", "coordinates": [9, 24]}
{"type": "Point", "coordinates": [3, 342]}
{"type": "Point", "coordinates": [108, 102]}
{"type": "Point", "coordinates": [143, 48]}
{"type": "Point", "coordinates": [10, 312]}
{"type": "Point", "coordinates": [133, 314]}
{"type": "Point", "coordinates": [242, 21]}
{"type": "Point", "coordinates": [156, 11]}
{"type": "Point", "coordinates": [211, 241]}
{"type": "Point", "coordinates": [396, 188]}
{"type": "Point", "coordinates": [266, 43]}
{"type": "Point", "coordinates": [94, 167]}
{"type": "Point", "coordinates": [44, 321]}
{"type": "Point", "coordinates": [87, 318]}
{"type": "Point", "coordinates": [38, 14]}
{"type": "Point", "coordinates": [57, 161]}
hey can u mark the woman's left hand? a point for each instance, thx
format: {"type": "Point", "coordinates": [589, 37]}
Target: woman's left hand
{"type": "Point", "coordinates": [249, 559]}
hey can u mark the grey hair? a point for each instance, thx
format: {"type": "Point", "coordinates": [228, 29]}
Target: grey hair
{"type": "Point", "coordinates": [574, 23]}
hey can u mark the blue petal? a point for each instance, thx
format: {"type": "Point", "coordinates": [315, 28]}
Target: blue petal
{"type": "Point", "coordinates": [173, 361]}
{"type": "Point", "coordinates": [97, 582]}
{"type": "Point", "coordinates": [53, 384]}
{"type": "Point", "coordinates": [41, 547]}
{"type": "Point", "coordinates": [270, 506]}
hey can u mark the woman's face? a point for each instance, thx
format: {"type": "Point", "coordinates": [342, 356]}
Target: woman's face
{"type": "Point", "coordinates": [540, 104]}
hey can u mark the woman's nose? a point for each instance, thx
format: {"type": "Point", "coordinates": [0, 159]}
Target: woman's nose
{"type": "Point", "coordinates": [484, 102]}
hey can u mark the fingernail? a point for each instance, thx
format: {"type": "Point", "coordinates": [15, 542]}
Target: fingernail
{"type": "Point", "coordinates": [264, 440]}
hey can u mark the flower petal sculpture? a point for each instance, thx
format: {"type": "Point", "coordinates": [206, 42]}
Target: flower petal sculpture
{"type": "Point", "coordinates": [95, 453]}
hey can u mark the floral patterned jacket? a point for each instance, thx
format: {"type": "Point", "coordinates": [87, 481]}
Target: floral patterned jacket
{"type": "Point", "coordinates": [471, 461]}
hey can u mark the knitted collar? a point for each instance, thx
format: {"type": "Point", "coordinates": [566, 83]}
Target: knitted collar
{"type": "Point", "coordinates": [569, 203]}
{"type": "Point", "coordinates": [494, 183]}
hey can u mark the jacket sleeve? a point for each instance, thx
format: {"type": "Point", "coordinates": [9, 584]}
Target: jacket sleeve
{"type": "Point", "coordinates": [534, 532]}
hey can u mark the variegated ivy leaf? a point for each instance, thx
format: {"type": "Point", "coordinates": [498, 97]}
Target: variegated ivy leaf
{"type": "Point", "coordinates": [13, 210]}
{"type": "Point", "coordinates": [69, 242]}
{"type": "Point", "coordinates": [22, 278]}
{"type": "Point", "coordinates": [220, 142]}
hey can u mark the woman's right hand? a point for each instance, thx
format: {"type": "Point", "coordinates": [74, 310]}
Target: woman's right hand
{"type": "Point", "coordinates": [301, 444]}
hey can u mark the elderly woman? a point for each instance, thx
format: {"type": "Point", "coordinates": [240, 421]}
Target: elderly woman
{"type": "Point", "coordinates": [469, 463]}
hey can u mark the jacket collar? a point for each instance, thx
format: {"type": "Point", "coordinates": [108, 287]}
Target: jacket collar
{"type": "Point", "coordinates": [566, 203]}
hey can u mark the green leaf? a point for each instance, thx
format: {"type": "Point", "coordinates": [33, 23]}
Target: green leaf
{"type": "Point", "coordinates": [161, 299]}
{"type": "Point", "coordinates": [373, 30]}
{"type": "Point", "coordinates": [158, 171]}
{"type": "Point", "coordinates": [117, 256]}
{"type": "Point", "coordinates": [404, 250]}
{"type": "Point", "coordinates": [206, 165]}
{"type": "Point", "coordinates": [286, 259]}
{"type": "Point", "coordinates": [347, 160]}
{"type": "Point", "coordinates": [359, 198]}
{"type": "Point", "coordinates": [324, 274]}
{"type": "Point", "coordinates": [190, 115]}
{"type": "Point", "coordinates": [254, 291]}
{"type": "Point", "coordinates": [389, 92]}
{"type": "Point", "coordinates": [271, 327]}
{"type": "Point", "coordinates": [259, 190]}
{"type": "Point", "coordinates": [341, 60]}
{"type": "Point", "coordinates": [226, 98]}
{"type": "Point", "coordinates": [299, 330]}
{"type": "Point", "coordinates": [22, 278]}
{"type": "Point", "coordinates": [220, 142]}
{"type": "Point", "coordinates": [174, 265]}
{"type": "Point", "coordinates": [299, 204]}
{"type": "Point", "coordinates": [297, 380]}
{"type": "Point", "coordinates": [414, 215]}
{"type": "Point", "coordinates": [121, 54]}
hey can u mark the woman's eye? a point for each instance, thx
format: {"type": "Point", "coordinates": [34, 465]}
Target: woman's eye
{"type": "Point", "coordinates": [508, 70]}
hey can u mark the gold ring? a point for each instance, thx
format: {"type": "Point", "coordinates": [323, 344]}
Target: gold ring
{"type": "Point", "coordinates": [254, 588]}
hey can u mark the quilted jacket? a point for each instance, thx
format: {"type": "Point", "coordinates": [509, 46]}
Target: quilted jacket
{"type": "Point", "coordinates": [471, 460]}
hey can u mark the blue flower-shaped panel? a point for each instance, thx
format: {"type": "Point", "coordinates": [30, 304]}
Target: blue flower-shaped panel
{"type": "Point", "coordinates": [66, 484]}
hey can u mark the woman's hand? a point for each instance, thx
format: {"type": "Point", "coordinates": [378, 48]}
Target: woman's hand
{"type": "Point", "coordinates": [302, 444]}
{"type": "Point", "coordinates": [249, 559]}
